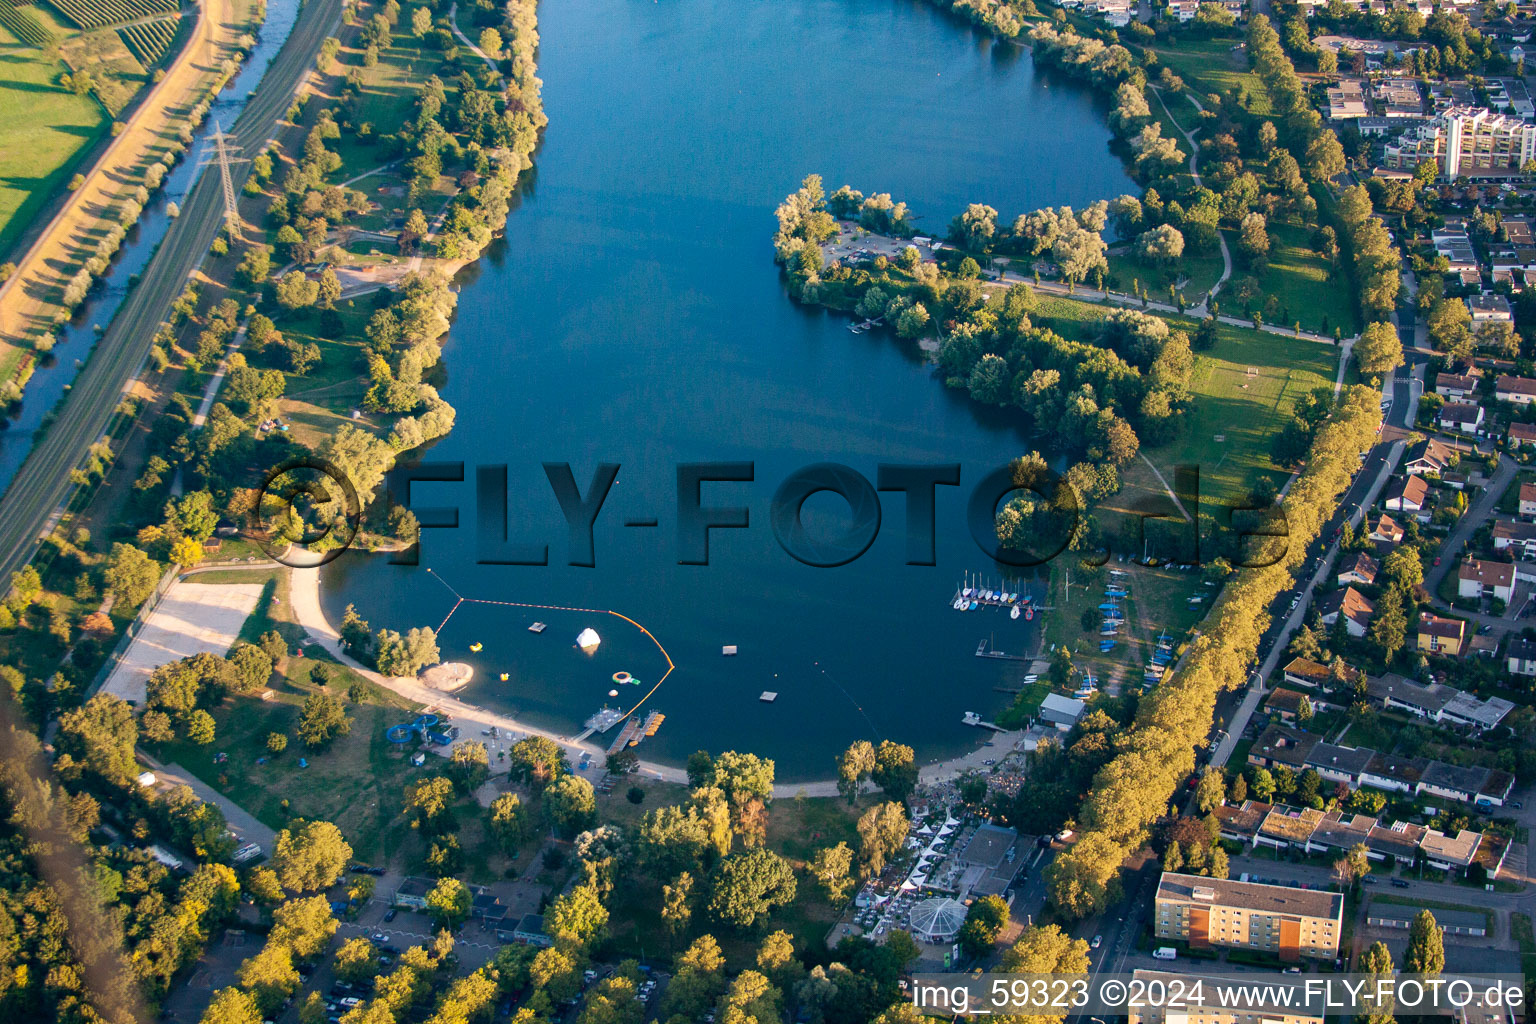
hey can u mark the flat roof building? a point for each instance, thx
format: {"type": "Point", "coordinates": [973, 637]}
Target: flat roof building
{"type": "Point", "coordinates": [1279, 919]}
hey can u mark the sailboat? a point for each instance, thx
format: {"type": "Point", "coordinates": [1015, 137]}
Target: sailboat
{"type": "Point", "coordinates": [1015, 612]}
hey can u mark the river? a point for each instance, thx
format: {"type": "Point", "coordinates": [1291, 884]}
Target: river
{"type": "Point", "coordinates": [633, 315]}
{"type": "Point", "coordinates": [56, 371]}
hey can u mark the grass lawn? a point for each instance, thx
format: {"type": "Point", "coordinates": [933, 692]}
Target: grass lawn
{"type": "Point", "coordinates": [44, 128]}
{"type": "Point", "coordinates": [1197, 273]}
{"type": "Point", "coordinates": [1211, 65]}
{"type": "Point", "coordinates": [1233, 418]}
{"type": "Point", "coordinates": [1307, 288]}
{"type": "Point", "coordinates": [317, 403]}
{"type": "Point", "coordinates": [388, 92]}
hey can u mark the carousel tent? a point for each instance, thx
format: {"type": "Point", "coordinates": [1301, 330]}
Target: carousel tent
{"type": "Point", "coordinates": [938, 919]}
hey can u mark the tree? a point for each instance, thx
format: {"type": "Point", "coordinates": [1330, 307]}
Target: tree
{"type": "Point", "coordinates": [201, 727]}
{"type": "Point", "coordinates": [509, 824]}
{"type": "Point", "coordinates": [536, 762]}
{"type": "Point", "coordinates": [856, 764]}
{"type": "Point", "coordinates": [305, 926]}
{"type": "Point", "coordinates": [1378, 352]}
{"type": "Point", "coordinates": [490, 42]}
{"type": "Point", "coordinates": [577, 919]}
{"type": "Point", "coordinates": [1426, 946]}
{"type": "Point", "coordinates": [356, 961]}
{"type": "Point", "coordinates": [406, 655]}
{"type": "Point", "coordinates": [232, 1006]}
{"type": "Point", "coordinates": [570, 804]}
{"type": "Point", "coordinates": [1160, 246]}
{"type": "Point", "coordinates": [322, 720]}
{"type": "Point", "coordinates": [310, 856]}
{"type": "Point", "coordinates": [882, 831]}
{"type": "Point", "coordinates": [421, 21]}
{"type": "Point", "coordinates": [1211, 791]}
{"type": "Point", "coordinates": [1352, 866]}
{"type": "Point", "coordinates": [131, 575]}
{"type": "Point", "coordinates": [429, 804]}
{"type": "Point", "coordinates": [746, 886]}
{"type": "Point", "coordinates": [984, 922]}
{"type": "Point", "coordinates": [295, 291]}
{"type": "Point", "coordinates": [252, 668]}
{"type": "Point", "coordinates": [469, 766]}
{"type": "Point", "coordinates": [448, 904]}
{"type": "Point", "coordinates": [1388, 630]}
{"type": "Point", "coordinates": [676, 903]}
{"type": "Point", "coordinates": [830, 867]}
{"type": "Point", "coordinates": [975, 228]}
{"type": "Point", "coordinates": [1046, 950]}
{"type": "Point", "coordinates": [895, 770]}
{"type": "Point", "coordinates": [1378, 961]}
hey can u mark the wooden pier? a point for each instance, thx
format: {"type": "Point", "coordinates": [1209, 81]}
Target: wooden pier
{"type": "Point", "coordinates": [628, 736]}
{"type": "Point", "coordinates": [982, 652]}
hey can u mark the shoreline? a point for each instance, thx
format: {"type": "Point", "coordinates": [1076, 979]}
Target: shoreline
{"type": "Point", "coordinates": [304, 597]}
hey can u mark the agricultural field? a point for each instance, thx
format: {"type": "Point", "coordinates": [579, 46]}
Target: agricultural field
{"type": "Point", "coordinates": [44, 128]}
{"type": "Point", "coordinates": [24, 26]}
{"type": "Point", "coordinates": [149, 41]}
{"type": "Point", "coordinates": [116, 73]}
{"type": "Point", "coordinates": [96, 13]}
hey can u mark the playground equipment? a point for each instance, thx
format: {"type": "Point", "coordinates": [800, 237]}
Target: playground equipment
{"type": "Point", "coordinates": [424, 729]}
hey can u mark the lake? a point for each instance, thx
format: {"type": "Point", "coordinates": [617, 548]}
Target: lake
{"type": "Point", "coordinates": [633, 315]}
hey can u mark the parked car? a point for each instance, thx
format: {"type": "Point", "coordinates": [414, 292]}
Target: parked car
{"type": "Point", "coordinates": [389, 915]}
{"type": "Point", "coordinates": [1098, 940]}
{"type": "Point", "coordinates": [1400, 883]}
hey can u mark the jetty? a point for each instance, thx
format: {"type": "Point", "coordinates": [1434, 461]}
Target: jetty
{"type": "Point", "coordinates": [983, 652]}
{"type": "Point", "coordinates": [972, 718]}
{"type": "Point", "coordinates": [628, 736]}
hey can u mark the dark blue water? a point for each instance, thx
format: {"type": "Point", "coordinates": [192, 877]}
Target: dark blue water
{"type": "Point", "coordinates": [56, 371]}
{"type": "Point", "coordinates": [634, 315]}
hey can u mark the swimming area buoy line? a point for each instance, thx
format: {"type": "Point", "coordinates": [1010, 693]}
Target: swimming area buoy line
{"type": "Point", "coordinates": [460, 599]}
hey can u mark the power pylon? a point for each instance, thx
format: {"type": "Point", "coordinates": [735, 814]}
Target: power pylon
{"type": "Point", "coordinates": [224, 145]}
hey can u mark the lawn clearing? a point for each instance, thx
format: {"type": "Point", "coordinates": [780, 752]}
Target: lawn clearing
{"type": "Point", "coordinates": [1306, 287]}
{"type": "Point", "coordinates": [46, 129]}
{"type": "Point", "coordinates": [1213, 65]}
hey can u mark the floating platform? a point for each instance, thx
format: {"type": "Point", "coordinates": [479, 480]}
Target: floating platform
{"type": "Point", "coordinates": [728, 651]}
{"type": "Point", "coordinates": [972, 718]}
{"type": "Point", "coordinates": [653, 722]}
{"type": "Point", "coordinates": [604, 719]}
{"type": "Point", "coordinates": [768, 696]}
{"type": "Point", "coordinates": [537, 627]}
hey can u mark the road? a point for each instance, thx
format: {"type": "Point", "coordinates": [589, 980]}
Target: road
{"type": "Point", "coordinates": [1478, 514]}
{"type": "Point", "coordinates": [42, 485]}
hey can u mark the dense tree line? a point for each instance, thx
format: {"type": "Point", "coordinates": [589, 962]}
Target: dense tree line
{"type": "Point", "coordinates": [1132, 790]}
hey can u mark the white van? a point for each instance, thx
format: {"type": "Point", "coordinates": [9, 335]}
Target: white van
{"type": "Point", "coordinates": [1165, 953]}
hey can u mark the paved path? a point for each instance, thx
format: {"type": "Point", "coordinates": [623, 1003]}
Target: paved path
{"type": "Point", "coordinates": [453, 23]}
{"type": "Point", "coordinates": [212, 390]}
{"type": "Point", "coordinates": [1194, 172]}
{"type": "Point", "coordinates": [240, 820]}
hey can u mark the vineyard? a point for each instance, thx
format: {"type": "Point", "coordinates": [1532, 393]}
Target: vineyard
{"type": "Point", "coordinates": [23, 24]}
{"type": "Point", "coordinates": [149, 41]}
{"type": "Point", "coordinates": [96, 13]}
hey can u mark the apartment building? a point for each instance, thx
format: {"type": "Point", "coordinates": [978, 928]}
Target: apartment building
{"type": "Point", "coordinates": [1291, 923]}
{"type": "Point", "coordinates": [1263, 1003]}
{"type": "Point", "coordinates": [1471, 141]}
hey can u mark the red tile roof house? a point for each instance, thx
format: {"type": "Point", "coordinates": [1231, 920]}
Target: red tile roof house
{"type": "Point", "coordinates": [1522, 435]}
{"type": "Point", "coordinates": [1354, 606]}
{"type": "Point", "coordinates": [1477, 578]}
{"type": "Point", "coordinates": [1528, 499]}
{"type": "Point", "coordinates": [1387, 531]}
{"type": "Point", "coordinates": [1463, 417]}
{"type": "Point", "coordinates": [1429, 456]}
{"type": "Point", "coordinates": [1518, 390]}
{"type": "Point", "coordinates": [1360, 569]}
{"type": "Point", "coordinates": [1407, 494]}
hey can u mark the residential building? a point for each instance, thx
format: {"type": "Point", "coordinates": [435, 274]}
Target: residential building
{"type": "Point", "coordinates": [1315, 675]}
{"type": "Point", "coordinates": [1462, 417]}
{"type": "Point", "coordinates": [1346, 101]}
{"type": "Point", "coordinates": [1514, 536]}
{"type": "Point", "coordinates": [1361, 568]}
{"type": "Point", "coordinates": [1477, 578]}
{"type": "Point", "coordinates": [1183, 10]}
{"type": "Point", "coordinates": [1520, 658]}
{"type": "Point", "coordinates": [1289, 922]}
{"type": "Point", "coordinates": [1286, 704]}
{"type": "Point", "coordinates": [1517, 390]}
{"type": "Point", "coordinates": [1282, 745]}
{"type": "Point", "coordinates": [1455, 385]}
{"type": "Point", "coordinates": [1429, 456]}
{"type": "Point", "coordinates": [1406, 494]}
{"type": "Point", "coordinates": [1487, 309]}
{"type": "Point", "coordinates": [1386, 531]}
{"type": "Point", "coordinates": [1265, 1002]}
{"type": "Point", "coordinates": [1522, 435]}
{"type": "Point", "coordinates": [1354, 606]}
{"type": "Point", "coordinates": [1439, 635]}
{"type": "Point", "coordinates": [530, 931]}
{"type": "Point", "coordinates": [1466, 141]}
{"type": "Point", "coordinates": [1527, 506]}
